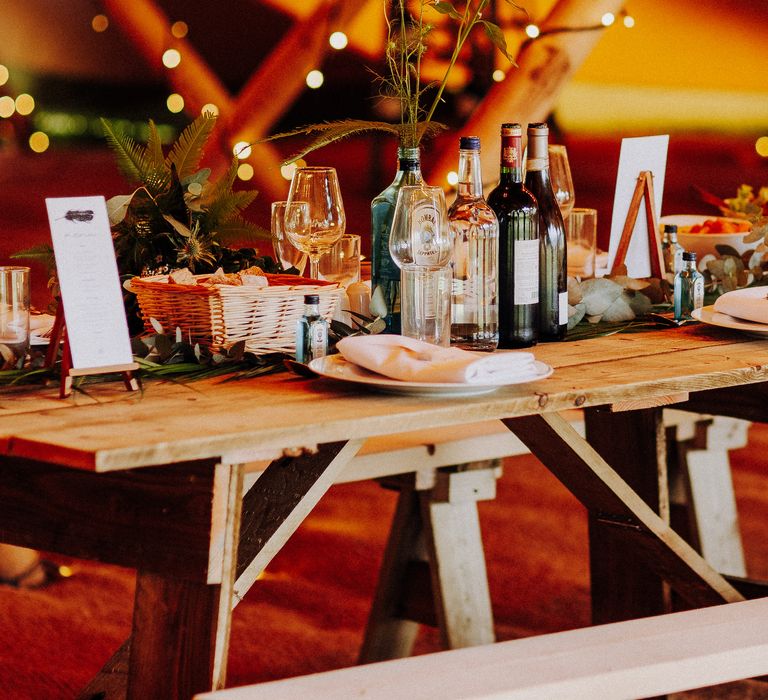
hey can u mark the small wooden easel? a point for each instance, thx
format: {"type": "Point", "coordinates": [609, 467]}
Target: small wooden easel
{"type": "Point", "coordinates": [59, 334]}
{"type": "Point", "coordinates": [643, 189]}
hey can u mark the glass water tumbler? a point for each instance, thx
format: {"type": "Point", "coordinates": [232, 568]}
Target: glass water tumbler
{"type": "Point", "coordinates": [420, 244]}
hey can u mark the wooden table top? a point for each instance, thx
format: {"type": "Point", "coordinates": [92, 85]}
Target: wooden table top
{"type": "Point", "coordinates": [110, 429]}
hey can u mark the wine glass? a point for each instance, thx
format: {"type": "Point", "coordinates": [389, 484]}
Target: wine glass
{"type": "Point", "coordinates": [319, 187]}
{"type": "Point", "coordinates": [298, 216]}
{"type": "Point", "coordinates": [560, 177]}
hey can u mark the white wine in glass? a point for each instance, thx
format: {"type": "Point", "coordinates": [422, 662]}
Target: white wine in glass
{"type": "Point", "coordinates": [287, 254]}
{"type": "Point", "coordinates": [319, 188]}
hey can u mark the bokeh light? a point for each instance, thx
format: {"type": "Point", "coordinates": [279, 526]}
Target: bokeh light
{"type": "Point", "coordinates": [171, 58]}
{"type": "Point", "coordinates": [210, 107]}
{"type": "Point", "coordinates": [7, 106]}
{"type": "Point", "coordinates": [608, 19]}
{"type": "Point", "coordinates": [242, 149]}
{"type": "Point", "coordinates": [4, 74]}
{"type": "Point", "coordinates": [245, 171]}
{"type": "Point", "coordinates": [629, 21]}
{"type": "Point", "coordinates": [100, 23]}
{"type": "Point", "coordinates": [179, 29]}
{"type": "Point", "coordinates": [761, 146]}
{"type": "Point", "coordinates": [452, 178]}
{"type": "Point", "coordinates": [25, 104]}
{"type": "Point", "coordinates": [498, 75]}
{"type": "Point", "coordinates": [338, 40]}
{"type": "Point", "coordinates": [532, 31]}
{"type": "Point", "coordinates": [315, 79]}
{"type": "Point", "coordinates": [175, 103]}
{"type": "Point", "coordinates": [39, 141]}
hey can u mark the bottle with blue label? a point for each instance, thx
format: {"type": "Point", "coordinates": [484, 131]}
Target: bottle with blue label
{"type": "Point", "coordinates": [311, 331]}
{"type": "Point", "coordinates": [689, 288]}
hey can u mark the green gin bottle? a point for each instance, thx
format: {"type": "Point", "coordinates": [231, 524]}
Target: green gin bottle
{"type": "Point", "coordinates": [385, 274]}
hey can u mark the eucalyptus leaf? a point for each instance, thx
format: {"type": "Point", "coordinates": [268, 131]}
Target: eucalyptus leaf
{"type": "Point", "coordinates": [619, 310]}
{"type": "Point", "coordinates": [727, 250]}
{"type": "Point", "coordinates": [164, 347]}
{"type": "Point", "coordinates": [497, 37]}
{"type": "Point", "coordinates": [598, 294]}
{"type": "Point", "coordinates": [575, 314]}
{"type": "Point", "coordinates": [156, 325]}
{"type": "Point", "coordinates": [446, 8]}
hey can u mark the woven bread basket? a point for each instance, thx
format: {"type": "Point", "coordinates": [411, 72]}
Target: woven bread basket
{"type": "Point", "coordinates": [220, 315]}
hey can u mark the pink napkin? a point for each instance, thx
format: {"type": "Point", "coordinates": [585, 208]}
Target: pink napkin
{"type": "Point", "coordinates": [750, 304]}
{"type": "Point", "coordinates": [410, 360]}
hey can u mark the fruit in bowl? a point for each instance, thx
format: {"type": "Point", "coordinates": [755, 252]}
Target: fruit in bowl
{"type": "Point", "coordinates": [701, 234]}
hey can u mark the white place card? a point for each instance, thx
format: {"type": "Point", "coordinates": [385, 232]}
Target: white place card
{"type": "Point", "coordinates": [97, 329]}
{"type": "Point", "coordinates": [637, 154]}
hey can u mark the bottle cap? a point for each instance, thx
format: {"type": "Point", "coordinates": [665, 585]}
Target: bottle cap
{"type": "Point", "coordinates": [670, 228]}
{"type": "Point", "coordinates": [311, 298]}
{"type": "Point", "coordinates": [469, 143]}
{"type": "Point", "coordinates": [689, 255]}
{"type": "Point", "coordinates": [538, 128]}
{"type": "Point", "coordinates": [511, 129]}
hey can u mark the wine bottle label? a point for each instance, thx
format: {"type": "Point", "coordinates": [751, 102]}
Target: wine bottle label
{"type": "Point", "coordinates": [534, 164]}
{"type": "Point", "coordinates": [563, 307]}
{"type": "Point", "coordinates": [526, 272]}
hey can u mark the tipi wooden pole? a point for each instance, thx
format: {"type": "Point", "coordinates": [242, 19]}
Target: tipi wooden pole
{"type": "Point", "coordinates": [529, 91]}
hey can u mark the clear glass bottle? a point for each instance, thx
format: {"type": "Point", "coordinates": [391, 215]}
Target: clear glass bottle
{"type": "Point", "coordinates": [475, 231]}
{"type": "Point", "coordinates": [671, 250]}
{"type": "Point", "coordinates": [385, 274]}
{"type": "Point", "coordinates": [311, 331]}
{"type": "Point", "coordinates": [689, 288]}
{"type": "Point", "coordinates": [518, 215]}
{"type": "Point", "coordinates": [553, 270]}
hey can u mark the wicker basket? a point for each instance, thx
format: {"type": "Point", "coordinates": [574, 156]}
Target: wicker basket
{"type": "Point", "coordinates": [218, 316]}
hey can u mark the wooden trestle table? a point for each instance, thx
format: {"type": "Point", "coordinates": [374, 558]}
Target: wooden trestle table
{"type": "Point", "coordinates": [156, 480]}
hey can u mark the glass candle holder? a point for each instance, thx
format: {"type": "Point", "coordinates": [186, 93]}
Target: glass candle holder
{"type": "Point", "coordinates": [14, 316]}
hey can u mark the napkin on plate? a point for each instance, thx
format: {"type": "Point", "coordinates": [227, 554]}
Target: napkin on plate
{"type": "Point", "coordinates": [749, 304]}
{"type": "Point", "coordinates": [40, 322]}
{"type": "Point", "coordinates": [410, 360]}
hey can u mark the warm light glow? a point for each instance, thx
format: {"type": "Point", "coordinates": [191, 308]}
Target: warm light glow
{"type": "Point", "coordinates": [452, 178]}
{"type": "Point", "coordinates": [65, 571]}
{"type": "Point", "coordinates": [629, 21]}
{"type": "Point", "coordinates": [608, 19]}
{"type": "Point", "coordinates": [210, 107]}
{"type": "Point", "coordinates": [99, 23]}
{"type": "Point", "coordinates": [338, 40]}
{"type": "Point", "coordinates": [25, 104]}
{"type": "Point", "coordinates": [171, 58]}
{"type": "Point", "coordinates": [179, 29]}
{"type": "Point", "coordinates": [175, 103]}
{"type": "Point", "coordinates": [761, 146]}
{"type": "Point", "coordinates": [532, 31]}
{"type": "Point", "coordinates": [245, 171]}
{"type": "Point", "coordinates": [499, 75]}
{"type": "Point", "coordinates": [242, 149]}
{"type": "Point", "coordinates": [4, 75]}
{"type": "Point", "coordinates": [39, 142]}
{"type": "Point", "coordinates": [287, 171]}
{"type": "Point", "coordinates": [7, 106]}
{"type": "Point", "coordinates": [315, 79]}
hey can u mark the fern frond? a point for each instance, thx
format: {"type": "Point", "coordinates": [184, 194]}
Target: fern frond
{"type": "Point", "coordinates": [131, 156]}
{"type": "Point", "coordinates": [238, 230]}
{"type": "Point", "coordinates": [41, 253]}
{"type": "Point", "coordinates": [225, 207]}
{"type": "Point", "coordinates": [330, 132]}
{"type": "Point", "coordinates": [188, 149]}
{"type": "Point", "coordinates": [159, 178]}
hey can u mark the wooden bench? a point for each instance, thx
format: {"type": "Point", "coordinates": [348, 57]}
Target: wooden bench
{"type": "Point", "coordinates": [633, 659]}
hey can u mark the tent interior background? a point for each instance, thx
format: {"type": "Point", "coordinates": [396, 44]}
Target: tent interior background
{"type": "Point", "coordinates": [693, 69]}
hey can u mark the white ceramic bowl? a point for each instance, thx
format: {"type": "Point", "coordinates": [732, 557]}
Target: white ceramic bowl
{"type": "Point", "coordinates": [704, 243]}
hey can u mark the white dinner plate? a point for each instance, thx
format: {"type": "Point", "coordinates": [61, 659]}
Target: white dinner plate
{"type": "Point", "coordinates": [708, 315]}
{"type": "Point", "coordinates": [336, 367]}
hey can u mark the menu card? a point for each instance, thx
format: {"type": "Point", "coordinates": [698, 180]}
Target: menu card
{"type": "Point", "coordinates": [637, 154]}
{"type": "Point", "coordinates": [97, 329]}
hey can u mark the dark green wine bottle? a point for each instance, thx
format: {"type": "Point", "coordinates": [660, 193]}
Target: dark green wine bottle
{"type": "Point", "coordinates": [385, 274]}
{"type": "Point", "coordinates": [553, 271]}
{"type": "Point", "coordinates": [519, 248]}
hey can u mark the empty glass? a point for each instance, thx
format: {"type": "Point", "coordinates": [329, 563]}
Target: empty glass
{"type": "Point", "coordinates": [581, 240]}
{"type": "Point", "coordinates": [420, 244]}
{"type": "Point", "coordinates": [319, 187]}
{"type": "Point", "coordinates": [14, 316]}
{"type": "Point", "coordinates": [286, 253]}
{"type": "Point", "coordinates": [342, 264]}
{"type": "Point", "coordinates": [560, 176]}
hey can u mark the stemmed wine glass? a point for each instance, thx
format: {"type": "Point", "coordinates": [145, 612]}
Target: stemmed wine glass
{"type": "Point", "coordinates": [319, 188]}
{"type": "Point", "coordinates": [560, 177]}
{"type": "Point", "coordinates": [297, 214]}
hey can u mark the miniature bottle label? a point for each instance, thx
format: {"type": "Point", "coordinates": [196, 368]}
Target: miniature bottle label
{"type": "Point", "coordinates": [318, 341]}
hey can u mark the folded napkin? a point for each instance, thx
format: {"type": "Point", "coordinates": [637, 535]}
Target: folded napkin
{"type": "Point", "coordinates": [750, 304]}
{"type": "Point", "coordinates": [410, 360]}
{"type": "Point", "coordinates": [40, 322]}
